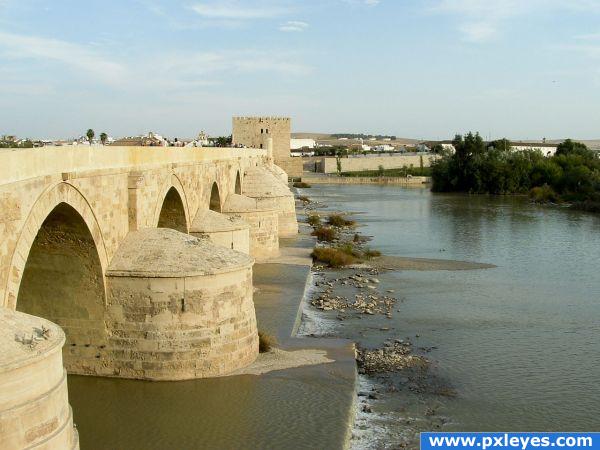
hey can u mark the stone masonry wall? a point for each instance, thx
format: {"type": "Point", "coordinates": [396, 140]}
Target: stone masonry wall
{"type": "Point", "coordinates": [181, 328]}
{"type": "Point", "coordinates": [329, 164]}
{"type": "Point", "coordinates": [251, 132]}
{"type": "Point", "coordinates": [264, 238]}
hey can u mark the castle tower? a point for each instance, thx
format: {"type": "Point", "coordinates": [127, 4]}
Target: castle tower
{"type": "Point", "coordinates": [253, 132]}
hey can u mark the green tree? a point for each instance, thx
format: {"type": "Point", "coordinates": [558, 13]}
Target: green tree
{"type": "Point", "coordinates": [90, 135]}
{"type": "Point", "coordinates": [103, 138]}
{"type": "Point", "coordinates": [223, 141]}
{"type": "Point", "coordinates": [380, 170]}
{"type": "Point", "coordinates": [570, 147]}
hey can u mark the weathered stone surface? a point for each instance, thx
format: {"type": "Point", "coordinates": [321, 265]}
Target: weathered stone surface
{"type": "Point", "coordinates": [180, 307]}
{"type": "Point", "coordinates": [162, 252]}
{"type": "Point", "coordinates": [262, 184]}
{"type": "Point", "coordinates": [34, 407]}
{"type": "Point", "coordinates": [228, 231]}
{"type": "Point", "coordinates": [263, 221]}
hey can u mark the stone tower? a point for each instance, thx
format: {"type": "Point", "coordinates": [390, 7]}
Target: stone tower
{"type": "Point", "coordinates": [253, 131]}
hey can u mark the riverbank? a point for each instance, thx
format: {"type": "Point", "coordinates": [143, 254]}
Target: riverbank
{"type": "Point", "coordinates": [356, 302]}
{"type": "Point", "coordinates": [335, 179]}
{"type": "Point", "coordinates": [502, 342]}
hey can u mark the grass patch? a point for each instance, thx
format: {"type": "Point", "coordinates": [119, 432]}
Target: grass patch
{"type": "Point", "coordinates": [396, 173]}
{"type": "Point", "coordinates": [314, 220]}
{"type": "Point", "coordinates": [301, 184]}
{"type": "Point", "coordinates": [325, 234]}
{"type": "Point", "coordinates": [370, 253]}
{"type": "Point", "coordinates": [333, 257]}
{"type": "Point", "coordinates": [265, 342]}
{"type": "Point", "coordinates": [349, 249]}
{"type": "Point", "coordinates": [543, 194]}
{"type": "Point", "coordinates": [339, 221]}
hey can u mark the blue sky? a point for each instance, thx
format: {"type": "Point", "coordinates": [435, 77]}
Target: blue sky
{"type": "Point", "coordinates": [421, 69]}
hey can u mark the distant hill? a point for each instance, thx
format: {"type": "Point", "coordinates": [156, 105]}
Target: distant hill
{"type": "Point", "coordinates": [328, 139]}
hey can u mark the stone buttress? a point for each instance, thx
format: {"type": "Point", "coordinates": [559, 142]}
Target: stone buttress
{"type": "Point", "coordinates": [228, 231]}
{"type": "Point", "coordinates": [179, 307]}
{"type": "Point", "coordinates": [265, 185]}
{"type": "Point", "coordinates": [263, 221]}
{"type": "Point", "coordinates": [34, 404]}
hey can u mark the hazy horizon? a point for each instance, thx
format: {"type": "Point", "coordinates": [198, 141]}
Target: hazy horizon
{"type": "Point", "coordinates": [524, 70]}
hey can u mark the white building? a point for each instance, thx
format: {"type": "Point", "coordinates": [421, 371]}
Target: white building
{"type": "Point", "coordinates": [546, 149]}
{"type": "Point", "coordinates": [296, 144]}
{"type": "Point", "coordinates": [383, 148]}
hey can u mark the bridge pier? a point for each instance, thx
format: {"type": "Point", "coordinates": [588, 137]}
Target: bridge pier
{"type": "Point", "coordinates": [267, 188]}
{"type": "Point", "coordinates": [34, 404]}
{"type": "Point", "coordinates": [179, 307]}
{"type": "Point", "coordinates": [263, 221]}
{"type": "Point", "coordinates": [228, 231]}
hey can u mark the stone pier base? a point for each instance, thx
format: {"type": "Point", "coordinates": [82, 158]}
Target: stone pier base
{"type": "Point", "coordinates": [34, 404]}
{"type": "Point", "coordinates": [179, 307]}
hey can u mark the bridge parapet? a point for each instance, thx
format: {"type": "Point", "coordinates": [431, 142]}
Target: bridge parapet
{"type": "Point", "coordinates": [18, 164]}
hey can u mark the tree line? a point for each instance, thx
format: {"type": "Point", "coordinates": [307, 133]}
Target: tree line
{"type": "Point", "coordinates": [572, 174]}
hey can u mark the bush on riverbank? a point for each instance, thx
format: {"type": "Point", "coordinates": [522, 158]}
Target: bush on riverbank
{"type": "Point", "coordinates": [325, 234]}
{"type": "Point", "coordinates": [573, 174]}
{"type": "Point", "coordinates": [333, 257]}
{"type": "Point", "coordinates": [301, 184]}
{"type": "Point", "coordinates": [339, 221]}
{"type": "Point", "coordinates": [370, 253]}
{"type": "Point", "coordinates": [314, 220]}
{"type": "Point", "coordinates": [543, 194]}
{"type": "Point", "coordinates": [265, 342]}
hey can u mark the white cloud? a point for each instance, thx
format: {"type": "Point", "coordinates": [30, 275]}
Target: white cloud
{"type": "Point", "coordinates": [15, 46]}
{"type": "Point", "coordinates": [293, 26]}
{"type": "Point", "coordinates": [363, 2]}
{"type": "Point", "coordinates": [482, 20]}
{"type": "Point", "coordinates": [588, 37]}
{"type": "Point", "coordinates": [233, 10]}
{"type": "Point", "coordinates": [478, 31]}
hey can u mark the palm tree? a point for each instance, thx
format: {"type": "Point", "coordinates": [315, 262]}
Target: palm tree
{"type": "Point", "coordinates": [90, 135]}
{"type": "Point", "coordinates": [103, 138]}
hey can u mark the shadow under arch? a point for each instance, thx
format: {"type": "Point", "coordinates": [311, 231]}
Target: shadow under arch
{"type": "Point", "coordinates": [39, 211]}
{"type": "Point", "coordinates": [63, 282]}
{"type": "Point", "coordinates": [238, 184]}
{"type": "Point", "coordinates": [172, 212]}
{"type": "Point", "coordinates": [215, 198]}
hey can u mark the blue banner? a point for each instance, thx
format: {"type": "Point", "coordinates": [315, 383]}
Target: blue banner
{"type": "Point", "coordinates": [521, 441]}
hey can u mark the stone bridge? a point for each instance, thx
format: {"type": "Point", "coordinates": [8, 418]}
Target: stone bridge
{"type": "Point", "coordinates": [142, 255]}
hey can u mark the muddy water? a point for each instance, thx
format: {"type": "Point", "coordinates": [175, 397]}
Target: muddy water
{"type": "Point", "coordinates": [519, 343]}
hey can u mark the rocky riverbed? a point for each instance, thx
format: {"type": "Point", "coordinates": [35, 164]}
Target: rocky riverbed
{"type": "Point", "coordinates": [391, 366]}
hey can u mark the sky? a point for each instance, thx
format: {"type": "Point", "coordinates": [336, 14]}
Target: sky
{"type": "Point", "coordinates": [522, 69]}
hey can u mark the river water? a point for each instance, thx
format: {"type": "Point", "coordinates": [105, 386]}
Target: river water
{"type": "Point", "coordinates": [519, 343]}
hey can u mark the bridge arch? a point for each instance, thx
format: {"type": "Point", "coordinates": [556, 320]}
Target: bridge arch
{"type": "Point", "coordinates": [215, 198]}
{"type": "Point", "coordinates": [73, 205]}
{"type": "Point", "coordinates": [172, 208]}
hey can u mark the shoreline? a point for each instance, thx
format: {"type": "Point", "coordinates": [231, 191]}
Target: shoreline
{"type": "Point", "coordinates": [400, 181]}
{"type": "Point", "coordinates": [328, 307]}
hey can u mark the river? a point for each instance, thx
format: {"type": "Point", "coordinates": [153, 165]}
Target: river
{"type": "Point", "coordinates": [519, 343]}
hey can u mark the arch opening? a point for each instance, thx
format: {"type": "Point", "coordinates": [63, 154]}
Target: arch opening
{"type": "Point", "coordinates": [63, 282]}
{"type": "Point", "coordinates": [238, 184]}
{"type": "Point", "coordinates": [172, 213]}
{"type": "Point", "coordinates": [215, 199]}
